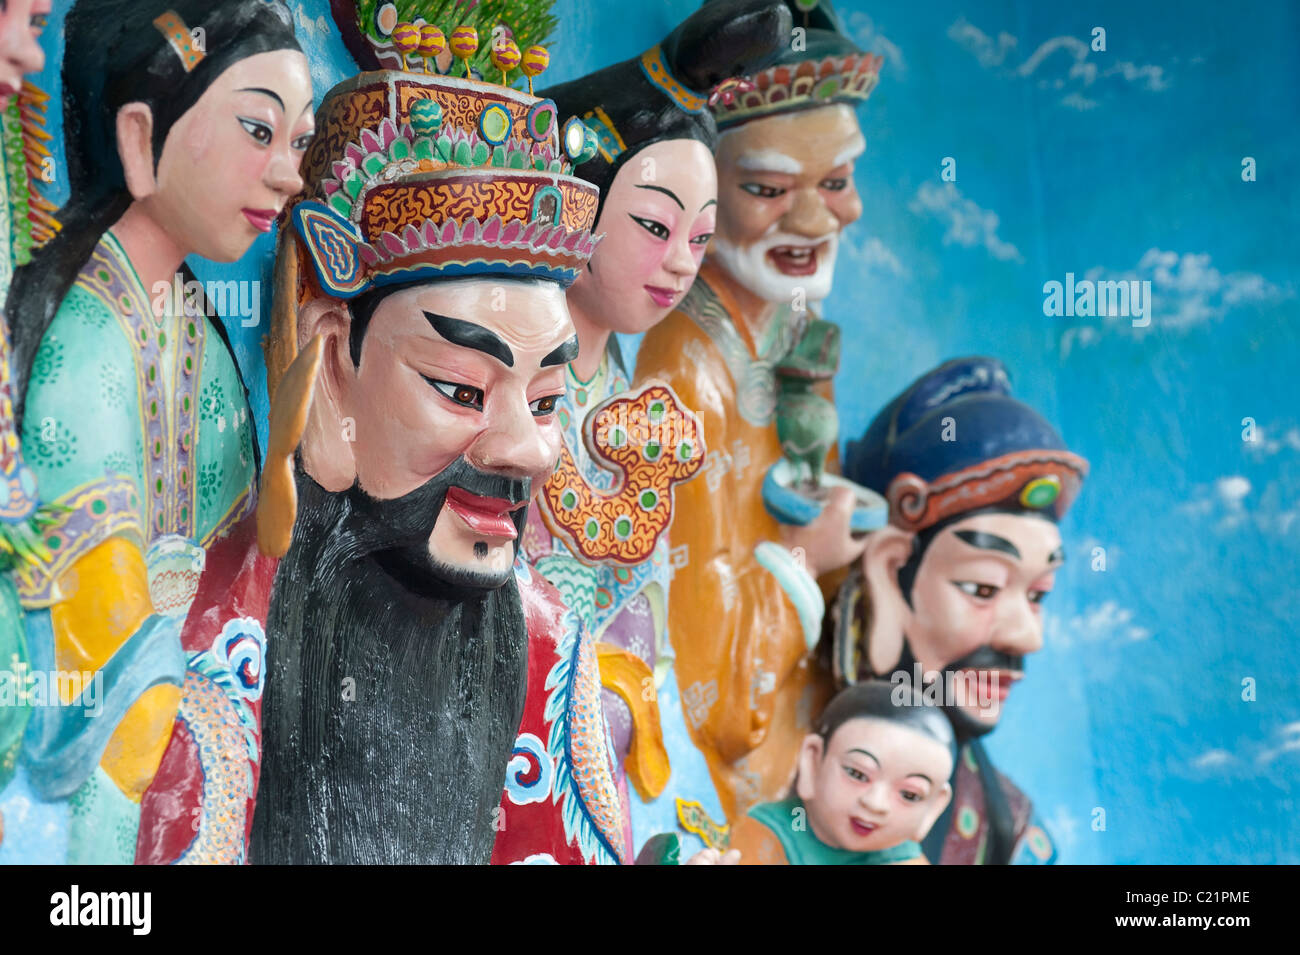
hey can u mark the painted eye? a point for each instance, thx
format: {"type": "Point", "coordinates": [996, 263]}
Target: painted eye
{"type": "Point", "coordinates": [833, 185]}
{"type": "Point", "coordinates": [303, 141]}
{"type": "Point", "coordinates": [702, 239]}
{"type": "Point", "coordinates": [386, 19]}
{"type": "Point", "coordinates": [762, 191]}
{"type": "Point", "coordinates": [1036, 596]}
{"type": "Point", "coordinates": [464, 395]}
{"type": "Point", "coordinates": [656, 229]}
{"type": "Point", "coordinates": [544, 406]}
{"type": "Point", "coordinates": [39, 23]}
{"type": "Point", "coordinates": [910, 796]}
{"type": "Point", "coordinates": [259, 131]}
{"type": "Point", "coordinates": [979, 591]}
{"type": "Point", "coordinates": [857, 774]}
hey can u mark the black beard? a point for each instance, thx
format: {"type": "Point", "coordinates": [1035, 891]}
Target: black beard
{"type": "Point", "coordinates": [398, 530]}
{"type": "Point", "coordinates": [394, 692]}
{"type": "Point", "coordinates": [984, 657]}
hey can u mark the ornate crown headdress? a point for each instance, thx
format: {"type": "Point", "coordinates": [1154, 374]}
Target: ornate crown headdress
{"type": "Point", "coordinates": [416, 176]}
{"type": "Point", "coordinates": [822, 66]}
{"type": "Point", "coordinates": [790, 86]}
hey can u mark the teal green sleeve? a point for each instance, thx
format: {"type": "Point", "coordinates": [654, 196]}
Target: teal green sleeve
{"type": "Point", "coordinates": [82, 419]}
{"type": "Point", "coordinates": [14, 711]}
{"type": "Point", "coordinates": [226, 464]}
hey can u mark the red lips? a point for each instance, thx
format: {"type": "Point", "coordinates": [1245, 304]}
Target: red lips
{"type": "Point", "coordinates": [663, 297]}
{"type": "Point", "coordinates": [489, 516]}
{"type": "Point", "coordinates": [261, 219]}
{"type": "Point", "coordinates": [863, 828]}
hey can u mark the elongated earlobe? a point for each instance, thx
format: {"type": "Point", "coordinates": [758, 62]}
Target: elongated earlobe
{"type": "Point", "coordinates": [887, 550]}
{"type": "Point", "coordinates": [135, 149]}
{"type": "Point", "coordinates": [328, 441]}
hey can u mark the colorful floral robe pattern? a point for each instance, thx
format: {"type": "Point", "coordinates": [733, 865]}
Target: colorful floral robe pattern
{"type": "Point", "coordinates": [625, 606]}
{"type": "Point", "coordinates": [560, 805]}
{"type": "Point", "coordinates": [140, 428]}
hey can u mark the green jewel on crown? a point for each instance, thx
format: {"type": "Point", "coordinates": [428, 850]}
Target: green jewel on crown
{"type": "Point", "coordinates": [389, 153]}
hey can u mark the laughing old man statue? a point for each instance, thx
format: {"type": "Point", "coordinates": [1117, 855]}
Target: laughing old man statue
{"type": "Point", "coordinates": [413, 659]}
{"type": "Point", "coordinates": [789, 138]}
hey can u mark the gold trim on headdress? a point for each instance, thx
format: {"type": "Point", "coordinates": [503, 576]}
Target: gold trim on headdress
{"type": "Point", "coordinates": [803, 84]}
{"type": "Point", "coordinates": [656, 71]}
{"type": "Point", "coordinates": [173, 28]}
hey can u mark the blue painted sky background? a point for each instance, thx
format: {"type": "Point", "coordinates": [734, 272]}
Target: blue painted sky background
{"type": "Point", "coordinates": [1118, 164]}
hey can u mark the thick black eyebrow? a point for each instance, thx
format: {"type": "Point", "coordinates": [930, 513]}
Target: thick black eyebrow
{"type": "Point", "coordinates": [563, 353]}
{"type": "Point", "coordinates": [271, 93]}
{"type": "Point", "coordinates": [986, 541]}
{"type": "Point", "coordinates": [711, 202]}
{"type": "Point", "coordinates": [921, 776]}
{"type": "Point", "coordinates": [468, 335]}
{"type": "Point", "coordinates": [667, 192]}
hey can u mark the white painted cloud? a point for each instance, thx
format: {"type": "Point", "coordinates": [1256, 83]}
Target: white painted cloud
{"type": "Point", "coordinates": [965, 223]}
{"type": "Point", "coordinates": [1266, 445]}
{"type": "Point", "coordinates": [985, 49]}
{"type": "Point", "coordinates": [1187, 292]}
{"type": "Point", "coordinates": [1213, 759]}
{"type": "Point", "coordinates": [1254, 757]}
{"type": "Point", "coordinates": [311, 27]}
{"type": "Point", "coordinates": [1233, 503]}
{"type": "Point", "coordinates": [1106, 622]}
{"type": "Point", "coordinates": [872, 255]}
{"type": "Point", "coordinates": [1077, 67]}
{"type": "Point", "coordinates": [863, 31]}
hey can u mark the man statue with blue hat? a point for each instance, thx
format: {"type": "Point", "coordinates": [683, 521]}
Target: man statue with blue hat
{"type": "Point", "coordinates": [949, 597]}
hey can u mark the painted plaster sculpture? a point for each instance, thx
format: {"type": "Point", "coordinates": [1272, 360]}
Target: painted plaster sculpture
{"type": "Point", "coordinates": [152, 587]}
{"type": "Point", "coordinates": [750, 684]}
{"type": "Point", "coordinates": [26, 222]}
{"type": "Point", "coordinates": [417, 663]}
{"type": "Point", "coordinates": [405, 35]}
{"type": "Point", "coordinates": [600, 529]}
{"type": "Point", "coordinates": [797, 486]}
{"type": "Point", "coordinates": [872, 780]}
{"type": "Point", "coordinates": [949, 595]}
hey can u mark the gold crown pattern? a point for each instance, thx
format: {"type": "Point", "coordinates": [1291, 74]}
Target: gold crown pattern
{"type": "Point", "coordinates": [790, 86]}
{"type": "Point", "coordinates": [417, 175]}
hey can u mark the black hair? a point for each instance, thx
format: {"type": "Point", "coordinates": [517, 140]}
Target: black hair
{"type": "Point", "coordinates": [923, 539]}
{"type": "Point", "coordinates": [897, 703]}
{"type": "Point", "coordinates": [115, 55]}
{"type": "Point", "coordinates": [724, 38]}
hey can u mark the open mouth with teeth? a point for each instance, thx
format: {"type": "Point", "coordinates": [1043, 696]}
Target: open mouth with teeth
{"type": "Point", "coordinates": [794, 259]}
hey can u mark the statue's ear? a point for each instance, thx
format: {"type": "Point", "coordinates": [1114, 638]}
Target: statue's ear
{"type": "Point", "coordinates": [810, 755]}
{"type": "Point", "coordinates": [328, 441]}
{"type": "Point", "coordinates": [135, 149]}
{"type": "Point", "coordinates": [939, 800]}
{"type": "Point", "coordinates": [888, 549]}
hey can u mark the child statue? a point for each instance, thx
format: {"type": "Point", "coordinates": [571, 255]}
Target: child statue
{"type": "Point", "coordinates": [873, 778]}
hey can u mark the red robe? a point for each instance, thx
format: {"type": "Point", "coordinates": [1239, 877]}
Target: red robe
{"type": "Point", "coordinates": [199, 807]}
{"type": "Point", "coordinates": [560, 804]}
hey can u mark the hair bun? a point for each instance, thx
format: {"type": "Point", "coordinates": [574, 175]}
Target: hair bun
{"type": "Point", "coordinates": [727, 38]}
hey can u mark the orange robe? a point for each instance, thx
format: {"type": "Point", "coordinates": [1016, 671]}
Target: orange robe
{"type": "Point", "coordinates": [750, 685]}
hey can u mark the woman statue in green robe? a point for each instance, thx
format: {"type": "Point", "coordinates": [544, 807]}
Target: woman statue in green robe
{"type": "Point", "coordinates": [186, 123]}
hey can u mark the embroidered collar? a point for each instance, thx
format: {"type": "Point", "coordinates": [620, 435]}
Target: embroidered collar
{"type": "Point", "coordinates": [753, 374]}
